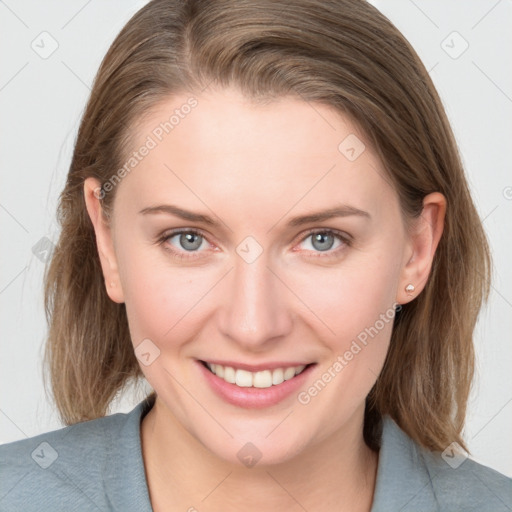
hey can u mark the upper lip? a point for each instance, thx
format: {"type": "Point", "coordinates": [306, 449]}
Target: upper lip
{"type": "Point", "coordinates": [257, 367]}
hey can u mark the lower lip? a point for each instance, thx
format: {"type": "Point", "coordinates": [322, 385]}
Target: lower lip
{"type": "Point", "coordinates": [254, 398]}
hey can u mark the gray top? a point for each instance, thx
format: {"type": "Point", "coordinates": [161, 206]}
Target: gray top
{"type": "Point", "coordinates": [97, 466]}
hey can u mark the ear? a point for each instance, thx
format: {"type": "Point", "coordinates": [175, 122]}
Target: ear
{"type": "Point", "coordinates": [424, 236]}
{"type": "Point", "coordinates": [104, 240]}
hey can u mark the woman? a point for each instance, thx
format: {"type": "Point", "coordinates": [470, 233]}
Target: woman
{"type": "Point", "coordinates": [266, 217]}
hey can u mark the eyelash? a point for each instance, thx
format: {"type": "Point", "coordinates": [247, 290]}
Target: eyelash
{"type": "Point", "coordinates": [181, 255]}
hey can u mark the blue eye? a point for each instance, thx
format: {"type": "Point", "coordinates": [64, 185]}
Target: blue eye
{"type": "Point", "coordinates": [326, 241]}
{"type": "Point", "coordinates": [322, 241]}
{"type": "Point", "coordinates": [189, 241]}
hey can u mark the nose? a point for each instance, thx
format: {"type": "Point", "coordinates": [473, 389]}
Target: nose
{"type": "Point", "coordinates": [256, 310]}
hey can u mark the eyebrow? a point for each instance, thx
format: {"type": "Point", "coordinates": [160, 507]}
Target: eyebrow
{"type": "Point", "coordinates": [178, 212]}
{"type": "Point", "coordinates": [338, 211]}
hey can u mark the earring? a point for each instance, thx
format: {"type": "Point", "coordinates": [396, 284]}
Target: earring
{"type": "Point", "coordinates": [409, 289]}
{"type": "Point", "coordinates": [112, 284]}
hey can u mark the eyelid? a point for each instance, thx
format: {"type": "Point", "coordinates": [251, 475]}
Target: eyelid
{"type": "Point", "coordinates": [341, 234]}
{"type": "Point", "coordinates": [177, 231]}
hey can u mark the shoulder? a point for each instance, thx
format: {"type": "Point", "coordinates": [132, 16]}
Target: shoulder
{"type": "Point", "coordinates": [71, 468]}
{"type": "Point", "coordinates": [416, 479]}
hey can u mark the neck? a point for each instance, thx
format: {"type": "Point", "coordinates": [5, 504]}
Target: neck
{"type": "Point", "coordinates": [337, 473]}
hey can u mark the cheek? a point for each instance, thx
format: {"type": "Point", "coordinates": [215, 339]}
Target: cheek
{"type": "Point", "coordinates": [351, 298]}
{"type": "Point", "coordinates": [354, 309]}
{"type": "Point", "coordinates": [354, 313]}
{"type": "Point", "coordinates": [159, 298]}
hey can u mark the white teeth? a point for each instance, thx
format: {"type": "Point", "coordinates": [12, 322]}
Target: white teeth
{"type": "Point", "coordinates": [261, 379]}
{"type": "Point", "coordinates": [277, 376]}
{"type": "Point", "coordinates": [289, 373]}
{"type": "Point", "coordinates": [229, 374]}
{"type": "Point", "coordinates": [243, 379]}
{"type": "Point", "coordinates": [219, 370]}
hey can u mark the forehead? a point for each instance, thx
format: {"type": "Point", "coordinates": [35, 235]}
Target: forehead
{"type": "Point", "coordinates": [225, 121]}
{"type": "Point", "coordinates": [221, 144]}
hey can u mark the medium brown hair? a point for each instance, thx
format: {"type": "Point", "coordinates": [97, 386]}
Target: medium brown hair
{"type": "Point", "coordinates": [341, 53]}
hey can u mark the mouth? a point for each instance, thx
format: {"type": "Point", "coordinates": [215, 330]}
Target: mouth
{"type": "Point", "coordinates": [254, 387]}
{"type": "Point", "coordinates": [262, 378]}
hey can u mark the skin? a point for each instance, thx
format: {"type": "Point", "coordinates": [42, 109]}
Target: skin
{"type": "Point", "coordinates": [252, 168]}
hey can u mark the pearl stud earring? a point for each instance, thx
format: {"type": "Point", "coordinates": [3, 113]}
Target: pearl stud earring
{"type": "Point", "coordinates": [409, 289]}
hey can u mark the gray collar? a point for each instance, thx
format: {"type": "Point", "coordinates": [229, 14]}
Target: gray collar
{"type": "Point", "coordinates": [409, 477]}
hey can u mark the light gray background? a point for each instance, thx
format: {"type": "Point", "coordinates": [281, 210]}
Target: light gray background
{"type": "Point", "coordinates": [42, 99]}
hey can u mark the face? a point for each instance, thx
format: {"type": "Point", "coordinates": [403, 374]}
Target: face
{"type": "Point", "coordinates": [257, 237]}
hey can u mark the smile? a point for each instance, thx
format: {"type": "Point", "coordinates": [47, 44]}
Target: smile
{"type": "Point", "coordinates": [254, 386]}
{"type": "Point", "coordinates": [260, 379]}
